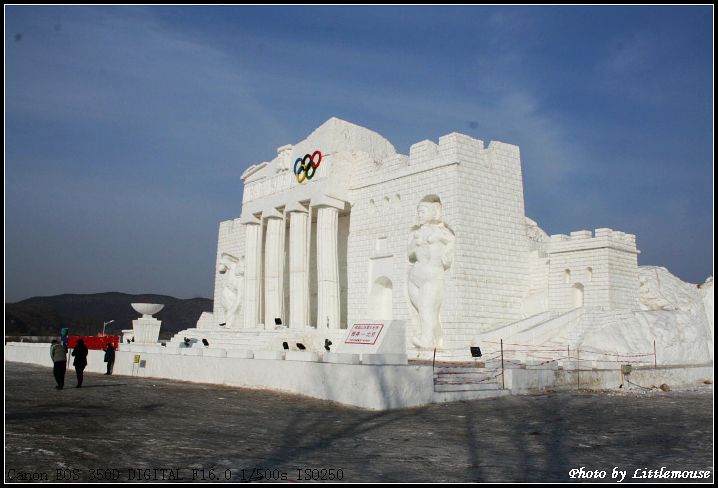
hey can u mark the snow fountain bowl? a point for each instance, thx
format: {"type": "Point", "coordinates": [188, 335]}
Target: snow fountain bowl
{"type": "Point", "coordinates": [147, 309]}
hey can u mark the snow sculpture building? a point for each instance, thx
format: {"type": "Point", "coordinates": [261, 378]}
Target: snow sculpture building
{"type": "Point", "coordinates": [325, 236]}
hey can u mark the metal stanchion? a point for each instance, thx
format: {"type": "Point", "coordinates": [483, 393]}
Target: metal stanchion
{"type": "Point", "coordinates": [503, 380]}
{"type": "Point", "coordinates": [578, 368]}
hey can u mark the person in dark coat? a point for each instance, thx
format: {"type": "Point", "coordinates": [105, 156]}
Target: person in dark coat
{"type": "Point", "coordinates": [80, 361]}
{"type": "Point", "coordinates": [110, 357]}
{"type": "Point", "coordinates": [59, 359]}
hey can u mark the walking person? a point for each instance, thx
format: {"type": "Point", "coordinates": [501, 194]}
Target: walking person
{"type": "Point", "coordinates": [80, 361]}
{"type": "Point", "coordinates": [110, 357]}
{"type": "Point", "coordinates": [59, 358]}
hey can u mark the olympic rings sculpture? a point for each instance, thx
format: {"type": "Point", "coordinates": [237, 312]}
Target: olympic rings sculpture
{"type": "Point", "coordinates": [307, 164]}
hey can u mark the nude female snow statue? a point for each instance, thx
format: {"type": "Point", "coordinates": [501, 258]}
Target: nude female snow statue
{"type": "Point", "coordinates": [431, 252]}
{"type": "Point", "coordinates": [231, 298]}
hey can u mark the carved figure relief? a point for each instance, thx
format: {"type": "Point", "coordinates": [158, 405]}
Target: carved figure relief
{"type": "Point", "coordinates": [431, 253]}
{"type": "Point", "coordinates": [233, 290]}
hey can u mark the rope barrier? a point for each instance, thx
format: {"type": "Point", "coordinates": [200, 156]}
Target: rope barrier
{"type": "Point", "coordinates": [530, 350]}
{"type": "Point", "coordinates": [498, 356]}
{"type": "Point", "coordinates": [512, 344]}
{"type": "Point", "coordinates": [615, 361]}
{"type": "Point", "coordinates": [634, 384]}
{"type": "Point", "coordinates": [638, 354]}
{"type": "Point", "coordinates": [473, 382]}
{"type": "Point", "coordinates": [542, 356]}
{"type": "Point", "coordinates": [553, 348]}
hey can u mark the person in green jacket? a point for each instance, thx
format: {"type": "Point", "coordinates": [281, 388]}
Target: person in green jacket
{"type": "Point", "coordinates": [58, 354]}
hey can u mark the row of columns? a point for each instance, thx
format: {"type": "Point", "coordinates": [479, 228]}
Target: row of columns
{"type": "Point", "coordinates": [265, 297]}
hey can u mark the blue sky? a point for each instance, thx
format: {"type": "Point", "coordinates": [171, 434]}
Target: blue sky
{"type": "Point", "coordinates": [127, 128]}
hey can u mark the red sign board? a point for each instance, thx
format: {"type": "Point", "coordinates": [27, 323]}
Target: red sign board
{"type": "Point", "coordinates": [364, 334]}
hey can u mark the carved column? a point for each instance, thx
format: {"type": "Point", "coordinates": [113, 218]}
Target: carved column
{"type": "Point", "coordinates": [327, 268]}
{"type": "Point", "coordinates": [274, 270]}
{"type": "Point", "coordinates": [253, 272]}
{"type": "Point", "coordinates": [298, 266]}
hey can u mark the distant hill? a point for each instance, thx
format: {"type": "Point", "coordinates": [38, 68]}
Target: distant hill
{"type": "Point", "coordinates": [85, 314]}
